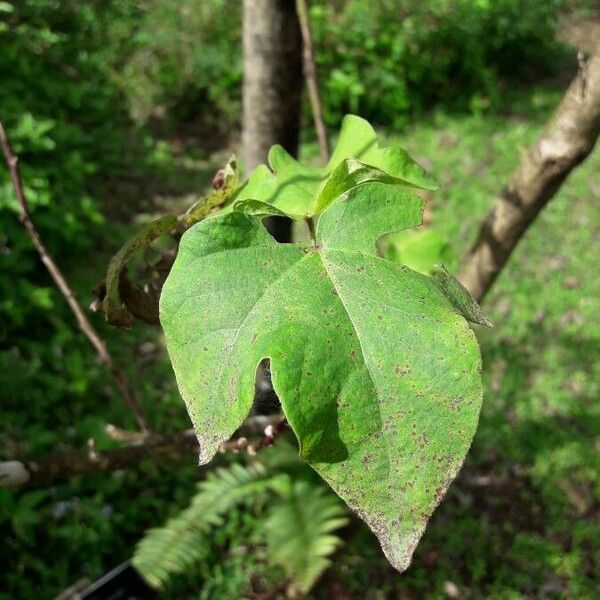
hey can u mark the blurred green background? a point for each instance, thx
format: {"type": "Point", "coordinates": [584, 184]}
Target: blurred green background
{"type": "Point", "coordinates": [121, 109]}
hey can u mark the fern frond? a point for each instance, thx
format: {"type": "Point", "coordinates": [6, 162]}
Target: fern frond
{"type": "Point", "coordinates": [179, 543]}
{"type": "Point", "coordinates": [300, 527]}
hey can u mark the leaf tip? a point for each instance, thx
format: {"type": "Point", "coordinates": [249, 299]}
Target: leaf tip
{"type": "Point", "coordinates": [206, 451]}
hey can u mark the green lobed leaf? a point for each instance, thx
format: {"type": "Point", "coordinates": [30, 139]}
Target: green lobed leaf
{"type": "Point", "coordinates": [359, 140]}
{"type": "Point", "coordinates": [299, 191]}
{"type": "Point", "coordinates": [377, 371]}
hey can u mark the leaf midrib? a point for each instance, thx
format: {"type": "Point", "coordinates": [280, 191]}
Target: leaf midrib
{"type": "Point", "coordinates": [362, 351]}
{"type": "Point", "coordinates": [322, 252]}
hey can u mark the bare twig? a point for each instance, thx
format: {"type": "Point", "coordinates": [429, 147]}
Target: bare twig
{"type": "Point", "coordinates": [310, 74]}
{"type": "Point", "coordinates": [567, 140]}
{"type": "Point", "coordinates": [270, 433]}
{"type": "Point", "coordinates": [159, 448]}
{"type": "Point", "coordinates": [61, 283]}
{"type": "Point", "coordinates": [72, 463]}
{"type": "Point", "coordinates": [122, 435]}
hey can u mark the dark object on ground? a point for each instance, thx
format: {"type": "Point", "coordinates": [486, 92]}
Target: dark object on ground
{"type": "Point", "coordinates": [123, 582]}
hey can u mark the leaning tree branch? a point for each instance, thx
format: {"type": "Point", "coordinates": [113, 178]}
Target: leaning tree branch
{"type": "Point", "coordinates": [310, 74]}
{"type": "Point", "coordinates": [567, 140]}
{"type": "Point", "coordinates": [159, 448]}
{"type": "Point", "coordinates": [61, 283]}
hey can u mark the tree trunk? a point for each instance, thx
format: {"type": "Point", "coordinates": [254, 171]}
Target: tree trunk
{"type": "Point", "coordinates": [272, 85]}
{"type": "Point", "coordinates": [567, 140]}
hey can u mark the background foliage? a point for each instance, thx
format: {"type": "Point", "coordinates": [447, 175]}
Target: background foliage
{"type": "Point", "coordinates": [384, 60]}
{"type": "Point", "coordinates": [116, 108]}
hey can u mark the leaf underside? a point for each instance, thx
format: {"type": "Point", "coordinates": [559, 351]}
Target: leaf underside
{"type": "Point", "coordinates": [113, 306]}
{"type": "Point", "coordinates": [377, 371]}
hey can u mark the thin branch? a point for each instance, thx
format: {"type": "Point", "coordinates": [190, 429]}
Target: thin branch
{"type": "Point", "coordinates": [61, 283]}
{"type": "Point", "coordinates": [122, 435]}
{"type": "Point", "coordinates": [567, 140]}
{"type": "Point", "coordinates": [270, 433]}
{"type": "Point", "coordinates": [310, 74]}
{"type": "Point", "coordinates": [156, 447]}
{"type": "Point", "coordinates": [72, 463]}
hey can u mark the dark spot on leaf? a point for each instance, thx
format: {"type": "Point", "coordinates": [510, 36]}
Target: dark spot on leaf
{"type": "Point", "coordinates": [455, 403]}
